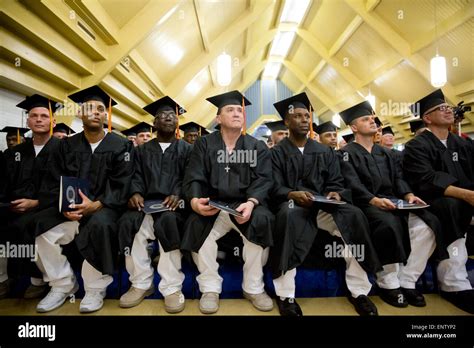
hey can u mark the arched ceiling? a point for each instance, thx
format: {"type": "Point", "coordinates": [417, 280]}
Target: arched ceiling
{"type": "Point", "coordinates": [140, 50]}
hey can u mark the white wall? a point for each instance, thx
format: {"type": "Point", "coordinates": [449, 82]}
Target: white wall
{"type": "Point", "coordinates": [10, 115]}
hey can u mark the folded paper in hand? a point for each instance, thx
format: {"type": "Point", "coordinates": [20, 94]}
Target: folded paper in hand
{"type": "Point", "coordinates": [404, 205]}
{"type": "Point", "coordinates": [154, 206]}
{"type": "Point", "coordinates": [322, 199]}
{"type": "Point", "coordinates": [225, 207]}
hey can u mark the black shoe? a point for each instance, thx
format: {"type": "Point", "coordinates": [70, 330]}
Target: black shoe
{"type": "Point", "coordinates": [414, 297]}
{"type": "Point", "coordinates": [393, 297]}
{"type": "Point", "coordinates": [364, 306]}
{"type": "Point", "coordinates": [289, 307]}
{"type": "Point", "coordinates": [461, 299]}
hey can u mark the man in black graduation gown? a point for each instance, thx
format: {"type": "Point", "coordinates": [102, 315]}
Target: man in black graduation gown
{"type": "Point", "coordinates": [142, 133]}
{"type": "Point", "coordinates": [4, 285]}
{"type": "Point", "coordinates": [15, 135]}
{"type": "Point", "coordinates": [234, 168]}
{"type": "Point", "coordinates": [388, 137]}
{"type": "Point", "coordinates": [106, 161]}
{"type": "Point", "coordinates": [303, 168]}
{"type": "Point", "coordinates": [387, 140]}
{"type": "Point", "coordinates": [62, 130]}
{"type": "Point", "coordinates": [193, 131]}
{"type": "Point", "coordinates": [375, 178]}
{"type": "Point", "coordinates": [159, 171]}
{"type": "Point", "coordinates": [27, 165]}
{"type": "Point", "coordinates": [440, 166]}
{"type": "Point", "coordinates": [327, 134]}
{"type": "Point", "coordinates": [279, 131]}
{"type": "Point", "coordinates": [378, 135]}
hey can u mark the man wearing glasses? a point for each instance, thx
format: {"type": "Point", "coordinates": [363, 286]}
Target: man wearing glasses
{"type": "Point", "coordinates": [439, 165]}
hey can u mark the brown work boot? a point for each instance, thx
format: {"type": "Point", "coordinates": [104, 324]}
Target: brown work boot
{"type": "Point", "coordinates": [174, 303]}
{"type": "Point", "coordinates": [134, 296]}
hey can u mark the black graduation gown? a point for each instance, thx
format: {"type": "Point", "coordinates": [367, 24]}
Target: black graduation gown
{"type": "Point", "coordinates": [430, 167]}
{"type": "Point", "coordinates": [3, 197]}
{"type": "Point", "coordinates": [206, 176]}
{"type": "Point", "coordinates": [157, 175]}
{"type": "Point", "coordinates": [398, 156]}
{"type": "Point", "coordinates": [317, 171]}
{"type": "Point", "coordinates": [109, 171]}
{"type": "Point", "coordinates": [377, 174]}
{"type": "Point", "coordinates": [25, 175]}
{"type": "Point", "coordinates": [26, 171]}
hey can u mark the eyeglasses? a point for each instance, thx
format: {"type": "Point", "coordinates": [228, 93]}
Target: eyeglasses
{"type": "Point", "coordinates": [443, 108]}
{"type": "Point", "coordinates": [164, 116]}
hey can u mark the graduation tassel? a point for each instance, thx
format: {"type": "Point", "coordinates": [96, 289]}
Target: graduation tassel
{"type": "Point", "coordinates": [18, 136]}
{"type": "Point", "coordinates": [244, 131]}
{"type": "Point", "coordinates": [109, 117]}
{"type": "Point", "coordinates": [177, 123]}
{"type": "Point", "coordinates": [50, 119]}
{"type": "Point", "coordinates": [311, 131]}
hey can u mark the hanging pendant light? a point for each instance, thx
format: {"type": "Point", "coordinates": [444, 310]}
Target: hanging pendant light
{"type": "Point", "coordinates": [224, 69]}
{"type": "Point", "coordinates": [438, 71]}
{"type": "Point", "coordinates": [437, 63]}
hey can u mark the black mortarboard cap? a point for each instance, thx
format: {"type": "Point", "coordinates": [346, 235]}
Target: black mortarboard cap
{"type": "Point", "coordinates": [297, 101]}
{"type": "Point", "coordinates": [415, 125]}
{"type": "Point", "coordinates": [325, 127]}
{"type": "Point", "coordinates": [37, 100]}
{"type": "Point", "coordinates": [64, 128]}
{"type": "Point", "coordinates": [162, 104]}
{"type": "Point", "coordinates": [378, 122]}
{"type": "Point", "coordinates": [193, 127]}
{"type": "Point", "coordinates": [356, 111]}
{"type": "Point", "coordinates": [10, 130]}
{"type": "Point", "coordinates": [228, 98]}
{"type": "Point", "coordinates": [92, 93]}
{"type": "Point", "coordinates": [424, 104]}
{"type": "Point", "coordinates": [349, 138]}
{"type": "Point", "coordinates": [387, 130]}
{"type": "Point", "coordinates": [276, 126]}
{"type": "Point", "coordinates": [139, 128]}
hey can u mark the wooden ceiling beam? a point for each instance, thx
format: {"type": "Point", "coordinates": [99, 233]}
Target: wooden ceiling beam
{"type": "Point", "coordinates": [130, 35]}
{"type": "Point", "coordinates": [233, 31]}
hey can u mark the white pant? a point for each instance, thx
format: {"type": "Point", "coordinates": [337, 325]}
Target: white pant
{"type": "Point", "coordinates": [254, 257]}
{"type": "Point", "coordinates": [356, 278]}
{"type": "Point", "coordinates": [56, 268]}
{"type": "Point", "coordinates": [452, 274]}
{"type": "Point", "coordinates": [422, 243]}
{"type": "Point", "coordinates": [138, 264]}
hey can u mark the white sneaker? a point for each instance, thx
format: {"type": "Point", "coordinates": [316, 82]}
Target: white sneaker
{"type": "Point", "coordinates": [55, 299]}
{"type": "Point", "coordinates": [92, 301]}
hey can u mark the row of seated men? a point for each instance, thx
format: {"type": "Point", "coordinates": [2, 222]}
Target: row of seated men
{"type": "Point", "coordinates": [274, 190]}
